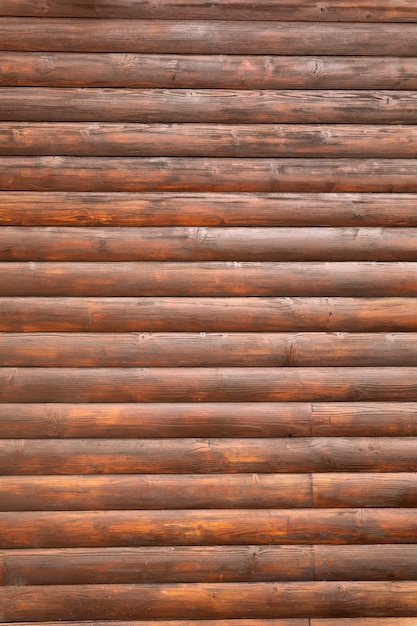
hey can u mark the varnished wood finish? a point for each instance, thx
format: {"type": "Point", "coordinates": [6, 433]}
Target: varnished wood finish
{"type": "Point", "coordinates": [207, 37]}
{"type": "Point", "coordinates": [208, 329]}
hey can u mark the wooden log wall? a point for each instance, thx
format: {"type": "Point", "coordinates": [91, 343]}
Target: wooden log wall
{"type": "Point", "coordinates": [208, 312]}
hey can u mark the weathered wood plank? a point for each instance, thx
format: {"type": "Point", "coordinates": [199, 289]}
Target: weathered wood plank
{"type": "Point", "coordinates": [189, 491]}
{"type": "Point", "coordinates": [207, 37]}
{"type": "Point", "coordinates": [43, 104]}
{"type": "Point", "coordinates": [202, 209]}
{"type": "Point", "coordinates": [209, 279]}
{"type": "Point", "coordinates": [204, 622]}
{"type": "Point", "coordinates": [293, 10]}
{"type": "Point", "coordinates": [208, 350]}
{"type": "Point", "coordinates": [207, 140]}
{"type": "Point", "coordinates": [59, 529]}
{"type": "Point", "coordinates": [359, 419]}
{"type": "Point", "coordinates": [207, 564]}
{"type": "Point", "coordinates": [141, 71]}
{"type": "Point", "coordinates": [241, 384]}
{"type": "Point", "coordinates": [171, 420]}
{"type": "Point", "coordinates": [210, 600]}
{"type": "Point", "coordinates": [155, 565]}
{"type": "Point", "coordinates": [176, 243]}
{"type": "Point", "coordinates": [194, 491]}
{"type": "Point", "coordinates": [207, 314]}
{"type": "Point", "coordinates": [205, 456]}
{"type": "Point", "coordinates": [92, 174]}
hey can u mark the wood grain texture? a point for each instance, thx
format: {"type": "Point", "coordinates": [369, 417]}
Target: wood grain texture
{"type": "Point", "coordinates": [222, 600]}
{"type": "Point", "coordinates": [207, 564]}
{"type": "Point", "coordinates": [194, 491]}
{"type": "Point", "coordinates": [141, 71]}
{"type": "Point", "coordinates": [294, 10]}
{"type": "Point", "coordinates": [207, 314]}
{"type": "Point", "coordinates": [205, 456]}
{"type": "Point", "coordinates": [207, 140]}
{"type": "Point", "coordinates": [62, 529]}
{"type": "Point", "coordinates": [207, 209]}
{"type": "Point", "coordinates": [210, 175]}
{"type": "Point", "coordinates": [176, 420]}
{"type": "Point", "coordinates": [208, 243]}
{"type": "Point", "coordinates": [208, 350]}
{"type": "Point", "coordinates": [48, 104]}
{"type": "Point", "coordinates": [207, 37]}
{"type": "Point", "coordinates": [210, 279]}
{"type": "Point", "coordinates": [222, 622]}
{"type": "Point", "coordinates": [189, 491]}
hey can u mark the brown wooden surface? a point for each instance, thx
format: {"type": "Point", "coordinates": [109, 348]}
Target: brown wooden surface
{"type": "Point", "coordinates": [207, 37]}
{"type": "Point", "coordinates": [205, 456]}
{"type": "Point", "coordinates": [61, 104]}
{"type": "Point", "coordinates": [62, 529]}
{"type": "Point", "coordinates": [206, 209]}
{"type": "Point", "coordinates": [344, 10]}
{"type": "Point", "coordinates": [207, 350]}
{"type": "Point", "coordinates": [41, 69]}
{"type": "Point", "coordinates": [207, 140]}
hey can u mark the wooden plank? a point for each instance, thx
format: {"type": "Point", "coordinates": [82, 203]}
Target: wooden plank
{"type": "Point", "coordinates": [294, 419]}
{"type": "Point", "coordinates": [208, 175]}
{"type": "Point", "coordinates": [206, 456]}
{"type": "Point", "coordinates": [203, 209]}
{"type": "Point", "coordinates": [190, 491]}
{"type": "Point", "coordinates": [380, 419]}
{"type": "Point", "coordinates": [367, 490]}
{"type": "Point", "coordinates": [207, 314]}
{"type": "Point", "coordinates": [155, 565]}
{"type": "Point", "coordinates": [207, 564]}
{"type": "Point", "coordinates": [209, 279]}
{"type": "Point", "coordinates": [365, 621]}
{"type": "Point", "coordinates": [204, 622]}
{"type": "Point", "coordinates": [384, 562]}
{"type": "Point", "coordinates": [208, 350]}
{"type": "Point", "coordinates": [38, 421]}
{"type": "Point", "coordinates": [194, 491]}
{"type": "Point", "coordinates": [141, 71]}
{"type": "Point", "coordinates": [239, 384]}
{"type": "Point", "coordinates": [207, 37]}
{"type": "Point", "coordinates": [207, 140]}
{"type": "Point", "coordinates": [210, 600]}
{"type": "Point", "coordinates": [293, 10]}
{"type": "Point", "coordinates": [208, 243]}
{"type": "Point", "coordinates": [61, 529]}
{"type": "Point", "coordinates": [43, 104]}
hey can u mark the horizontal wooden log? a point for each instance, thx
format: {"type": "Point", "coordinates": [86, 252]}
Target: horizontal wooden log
{"type": "Point", "coordinates": [141, 71]}
{"type": "Point", "coordinates": [162, 564]}
{"type": "Point", "coordinates": [208, 175]}
{"type": "Point", "coordinates": [221, 600]}
{"type": "Point", "coordinates": [174, 279]}
{"type": "Point", "coordinates": [207, 37]}
{"type": "Point", "coordinates": [239, 384]}
{"type": "Point", "coordinates": [205, 456]}
{"type": "Point", "coordinates": [173, 420]}
{"type": "Point", "coordinates": [207, 564]}
{"type": "Point", "coordinates": [339, 10]}
{"type": "Point", "coordinates": [207, 315]}
{"type": "Point", "coordinates": [202, 209]}
{"type": "Point", "coordinates": [207, 140]}
{"type": "Point", "coordinates": [359, 419]}
{"type": "Point", "coordinates": [295, 419]}
{"type": "Point", "coordinates": [190, 491]}
{"type": "Point", "coordinates": [207, 243]}
{"type": "Point", "coordinates": [194, 491]}
{"type": "Point", "coordinates": [208, 350]}
{"type": "Point", "coordinates": [222, 622]}
{"type": "Point", "coordinates": [367, 490]}
{"type": "Point", "coordinates": [48, 104]}
{"type": "Point", "coordinates": [383, 562]}
{"type": "Point", "coordinates": [59, 529]}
